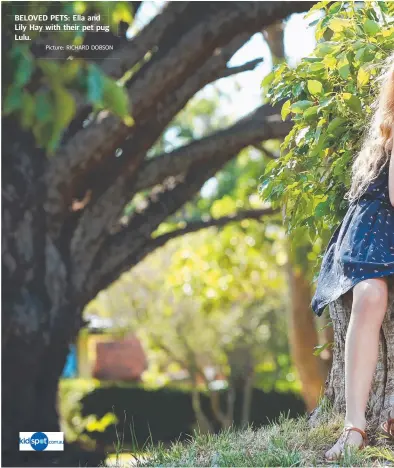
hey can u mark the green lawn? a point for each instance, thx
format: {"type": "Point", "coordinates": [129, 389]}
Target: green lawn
{"type": "Point", "coordinates": [286, 442]}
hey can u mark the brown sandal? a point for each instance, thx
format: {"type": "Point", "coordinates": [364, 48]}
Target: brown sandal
{"type": "Point", "coordinates": [388, 425]}
{"type": "Point", "coordinates": [344, 435]}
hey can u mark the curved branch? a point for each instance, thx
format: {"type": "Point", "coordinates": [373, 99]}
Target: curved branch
{"type": "Point", "coordinates": [99, 141]}
{"type": "Point", "coordinates": [116, 182]}
{"type": "Point", "coordinates": [96, 221]}
{"type": "Point", "coordinates": [193, 226]}
{"type": "Point", "coordinates": [262, 124]}
{"type": "Point", "coordinates": [124, 249]}
{"type": "Point", "coordinates": [120, 61]}
{"type": "Point", "coordinates": [248, 66]}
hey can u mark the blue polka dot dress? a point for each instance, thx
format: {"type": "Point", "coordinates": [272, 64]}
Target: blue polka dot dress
{"type": "Point", "coordinates": [361, 247]}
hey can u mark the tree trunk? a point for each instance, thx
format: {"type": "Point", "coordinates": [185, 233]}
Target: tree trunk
{"type": "Point", "coordinates": [382, 390]}
{"type": "Point", "coordinates": [247, 400]}
{"type": "Point", "coordinates": [303, 338]}
{"type": "Point", "coordinates": [38, 319]}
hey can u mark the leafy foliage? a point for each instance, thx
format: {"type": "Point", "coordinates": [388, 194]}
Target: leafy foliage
{"type": "Point", "coordinates": [42, 93]}
{"type": "Point", "coordinates": [191, 320]}
{"type": "Point", "coordinates": [328, 96]}
{"type": "Point", "coordinates": [74, 424]}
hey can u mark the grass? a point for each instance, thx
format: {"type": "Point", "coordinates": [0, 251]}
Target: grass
{"type": "Point", "coordinates": [285, 442]}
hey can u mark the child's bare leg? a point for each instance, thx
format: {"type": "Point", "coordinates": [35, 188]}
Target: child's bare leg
{"type": "Point", "coordinates": [370, 298]}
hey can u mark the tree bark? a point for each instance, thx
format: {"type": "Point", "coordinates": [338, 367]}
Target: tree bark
{"type": "Point", "coordinates": [382, 390]}
{"type": "Point", "coordinates": [39, 317]}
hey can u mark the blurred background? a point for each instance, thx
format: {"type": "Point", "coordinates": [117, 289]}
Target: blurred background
{"type": "Point", "coordinates": [197, 335]}
{"type": "Point", "coordinates": [210, 327]}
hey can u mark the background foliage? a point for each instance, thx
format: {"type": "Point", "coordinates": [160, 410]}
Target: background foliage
{"type": "Point", "coordinates": [328, 96]}
{"type": "Point", "coordinates": [185, 318]}
{"type": "Point", "coordinates": [43, 94]}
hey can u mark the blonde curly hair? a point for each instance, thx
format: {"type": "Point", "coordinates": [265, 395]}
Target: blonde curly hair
{"type": "Point", "coordinates": [378, 140]}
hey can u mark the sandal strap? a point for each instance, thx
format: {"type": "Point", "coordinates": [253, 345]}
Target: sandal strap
{"type": "Point", "coordinates": [360, 431]}
{"type": "Point", "coordinates": [390, 422]}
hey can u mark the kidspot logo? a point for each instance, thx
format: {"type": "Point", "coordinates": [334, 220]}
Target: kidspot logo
{"type": "Point", "coordinates": [40, 441]}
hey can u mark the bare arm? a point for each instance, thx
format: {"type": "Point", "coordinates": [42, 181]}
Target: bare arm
{"type": "Point", "coordinates": [391, 176]}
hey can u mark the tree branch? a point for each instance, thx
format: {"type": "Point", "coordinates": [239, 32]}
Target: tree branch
{"type": "Point", "coordinates": [119, 177]}
{"type": "Point", "coordinates": [162, 25]}
{"type": "Point", "coordinates": [99, 141]}
{"type": "Point", "coordinates": [262, 124]}
{"type": "Point", "coordinates": [67, 173]}
{"type": "Point", "coordinates": [150, 36]}
{"type": "Point", "coordinates": [97, 221]}
{"type": "Point", "coordinates": [140, 50]}
{"type": "Point", "coordinates": [134, 242]}
{"type": "Point", "coordinates": [248, 66]}
{"type": "Point", "coordinates": [193, 226]}
{"type": "Point", "coordinates": [122, 250]}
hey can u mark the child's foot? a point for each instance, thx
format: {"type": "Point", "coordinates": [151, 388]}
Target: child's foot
{"type": "Point", "coordinates": [388, 425]}
{"type": "Point", "coordinates": [350, 437]}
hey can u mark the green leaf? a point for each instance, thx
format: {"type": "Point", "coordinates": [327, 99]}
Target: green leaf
{"type": "Point", "coordinates": [370, 53]}
{"type": "Point", "coordinates": [310, 113]}
{"type": "Point", "coordinates": [322, 209]}
{"type": "Point", "coordinates": [383, 7]}
{"type": "Point", "coordinates": [312, 59]}
{"type": "Point", "coordinates": [334, 8]}
{"type": "Point", "coordinates": [270, 166]}
{"type": "Point", "coordinates": [334, 124]}
{"type": "Point", "coordinates": [122, 12]}
{"type": "Point", "coordinates": [359, 54]}
{"type": "Point", "coordinates": [343, 68]}
{"type": "Point", "coordinates": [390, 8]}
{"type": "Point", "coordinates": [315, 87]}
{"type": "Point", "coordinates": [64, 111]}
{"type": "Point", "coordinates": [339, 24]}
{"type": "Point", "coordinates": [362, 77]}
{"type": "Point", "coordinates": [319, 145]}
{"type": "Point", "coordinates": [95, 85]}
{"type": "Point", "coordinates": [300, 106]}
{"type": "Point", "coordinates": [317, 66]}
{"type": "Point", "coordinates": [285, 109]}
{"type": "Point", "coordinates": [13, 99]}
{"type": "Point", "coordinates": [325, 48]}
{"type": "Point", "coordinates": [24, 70]}
{"type": "Point", "coordinates": [330, 61]}
{"type": "Point", "coordinates": [79, 7]}
{"type": "Point", "coordinates": [115, 98]}
{"type": "Point", "coordinates": [223, 207]}
{"type": "Point", "coordinates": [28, 110]}
{"type": "Point", "coordinates": [64, 107]}
{"type": "Point", "coordinates": [69, 71]}
{"type": "Point", "coordinates": [371, 27]}
{"type": "Point", "coordinates": [43, 107]}
{"type": "Point", "coordinates": [267, 80]}
{"type": "Point", "coordinates": [320, 348]}
{"type": "Point", "coordinates": [353, 102]}
{"type": "Point", "coordinates": [317, 6]}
